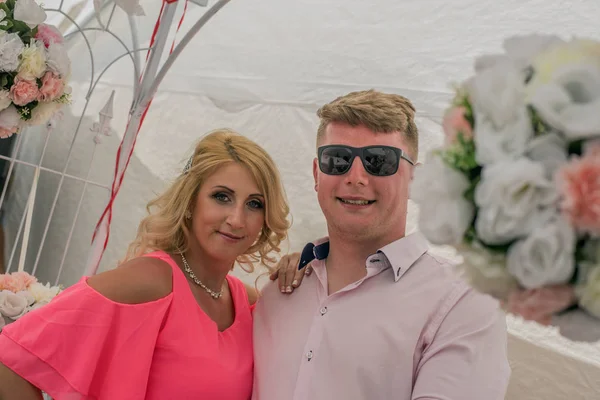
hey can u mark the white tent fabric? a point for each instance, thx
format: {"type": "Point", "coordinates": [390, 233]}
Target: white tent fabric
{"type": "Point", "coordinates": [263, 68]}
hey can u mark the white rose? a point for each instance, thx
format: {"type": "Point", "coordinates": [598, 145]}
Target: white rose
{"type": "Point", "coordinates": [545, 257]}
{"type": "Point", "coordinates": [511, 197]}
{"type": "Point", "coordinates": [57, 60]}
{"type": "Point", "coordinates": [550, 150]}
{"type": "Point", "coordinates": [494, 144]}
{"type": "Point", "coordinates": [502, 123]}
{"type": "Point", "coordinates": [571, 106]}
{"type": "Point", "coordinates": [486, 271]}
{"type": "Point", "coordinates": [497, 93]}
{"type": "Point", "coordinates": [43, 293]}
{"type": "Point", "coordinates": [33, 61]}
{"type": "Point", "coordinates": [11, 47]}
{"type": "Point", "coordinates": [12, 305]}
{"type": "Point", "coordinates": [5, 100]}
{"type": "Point", "coordinates": [29, 12]}
{"type": "Point", "coordinates": [519, 50]}
{"type": "Point", "coordinates": [10, 118]}
{"type": "Point", "coordinates": [444, 213]}
{"type": "Point", "coordinates": [27, 296]}
{"type": "Point", "coordinates": [565, 87]}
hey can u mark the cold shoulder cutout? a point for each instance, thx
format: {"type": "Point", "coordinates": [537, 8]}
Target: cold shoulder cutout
{"type": "Point", "coordinates": [141, 280]}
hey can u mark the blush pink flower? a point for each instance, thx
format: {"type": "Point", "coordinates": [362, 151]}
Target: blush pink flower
{"type": "Point", "coordinates": [23, 91]}
{"type": "Point", "coordinates": [541, 304]}
{"type": "Point", "coordinates": [49, 34]}
{"type": "Point", "coordinates": [16, 282]}
{"type": "Point", "coordinates": [25, 278]}
{"type": "Point", "coordinates": [52, 87]}
{"type": "Point", "coordinates": [579, 184]}
{"type": "Point", "coordinates": [454, 122]}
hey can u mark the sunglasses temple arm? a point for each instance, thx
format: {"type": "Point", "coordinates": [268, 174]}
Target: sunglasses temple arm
{"type": "Point", "coordinates": [407, 159]}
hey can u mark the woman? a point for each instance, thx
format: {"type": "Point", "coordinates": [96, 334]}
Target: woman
{"type": "Point", "coordinates": [170, 322]}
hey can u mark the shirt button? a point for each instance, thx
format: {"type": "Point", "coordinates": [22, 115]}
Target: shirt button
{"type": "Point", "coordinates": [309, 355]}
{"type": "Point", "coordinates": [323, 310]}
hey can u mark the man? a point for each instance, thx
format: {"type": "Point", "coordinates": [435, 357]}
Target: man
{"type": "Point", "coordinates": [379, 317]}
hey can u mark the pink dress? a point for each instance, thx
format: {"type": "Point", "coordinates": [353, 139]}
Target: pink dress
{"type": "Point", "coordinates": [85, 346]}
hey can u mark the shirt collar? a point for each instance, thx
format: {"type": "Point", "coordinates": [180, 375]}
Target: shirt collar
{"type": "Point", "coordinates": [400, 254]}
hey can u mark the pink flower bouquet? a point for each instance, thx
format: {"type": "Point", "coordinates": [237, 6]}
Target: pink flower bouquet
{"type": "Point", "coordinates": [20, 293]}
{"type": "Point", "coordinates": [34, 67]}
{"type": "Point", "coordinates": [516, 186]}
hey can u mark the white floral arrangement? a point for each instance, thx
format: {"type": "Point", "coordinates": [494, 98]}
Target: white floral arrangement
{"type": "Point", "coordinates": [21, 293]}
{"type": "Point", "coordinates": [515, 188]}
{"type": "Point", "coordinates": [34, 67]}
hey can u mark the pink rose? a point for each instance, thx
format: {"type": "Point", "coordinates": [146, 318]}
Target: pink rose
{"type": "Point", "coordinates": [24, 278]}
{"type": "Point", "coordinates": [454, 122]}
{"type": "Point", "coordinates": [541, 304]}
{"type": "Point", "coordinates": [579, 184]}
{"type": "Point", "coordinates": [52, 87]}
{"type": "Point", "coordinates": [16, 282]}
{"type": "Point", "coordinates": [49, 34]}
{"type": "Point", "coordinates": [23, 91]}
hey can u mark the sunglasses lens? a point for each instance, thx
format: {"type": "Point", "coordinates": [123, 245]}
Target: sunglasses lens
{"type": "Point", "coordinates": [335, 160]}
{"type": "Point", "coordinates": [380, 161]}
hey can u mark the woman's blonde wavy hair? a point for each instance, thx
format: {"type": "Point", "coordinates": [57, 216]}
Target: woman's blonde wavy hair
{"type": "Point", "coordinates": [167, 229]}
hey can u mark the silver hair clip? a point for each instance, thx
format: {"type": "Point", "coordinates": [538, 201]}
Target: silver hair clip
{"type": "Point", "coordinates": [188, 165]}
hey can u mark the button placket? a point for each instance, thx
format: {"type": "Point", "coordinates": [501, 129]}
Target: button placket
{"type": "Point", "coordinates": [311, 348]}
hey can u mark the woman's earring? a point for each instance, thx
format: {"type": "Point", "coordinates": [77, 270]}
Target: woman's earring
{"type": "Point", "coordinates": [188, 214]}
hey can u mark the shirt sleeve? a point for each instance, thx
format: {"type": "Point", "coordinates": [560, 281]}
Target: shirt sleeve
{"type": "Point", "coordinates": [84, 346]}
{"type": "Point", "coordinates": [466, 358]}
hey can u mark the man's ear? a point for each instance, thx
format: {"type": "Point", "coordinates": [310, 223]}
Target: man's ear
{"type": "Point", "coordinates": [316, 173]}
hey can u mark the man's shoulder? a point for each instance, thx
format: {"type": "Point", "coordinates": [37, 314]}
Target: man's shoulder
{"type": "Point", "coordinates": [437, 270]}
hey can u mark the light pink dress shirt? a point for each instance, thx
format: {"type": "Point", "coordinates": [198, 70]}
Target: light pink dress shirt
{"type": "Point", "coordinates": [410, 330]}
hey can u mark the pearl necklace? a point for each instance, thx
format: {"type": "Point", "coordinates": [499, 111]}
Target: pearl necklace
{"type": "Point", "coordinates": [186, 266]}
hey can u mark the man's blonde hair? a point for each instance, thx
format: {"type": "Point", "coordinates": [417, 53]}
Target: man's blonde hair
{"type": "Point", "coordinates": [166, 228]}
{"type": "Point", "coordinates": [379, 112]}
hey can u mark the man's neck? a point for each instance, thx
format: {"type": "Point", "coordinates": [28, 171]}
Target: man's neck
{"type": "Point", "coordinates": [346, 262]}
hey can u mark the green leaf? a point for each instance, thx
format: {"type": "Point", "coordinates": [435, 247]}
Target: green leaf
{"type": "Point", "coordinates": [6, 80]}
{"type": "Point", "coordinates": [21, 27]}
{"type": "Point", "coordinates": [539, 126]}
{"type": "Point", "coordinates": [461, 156]}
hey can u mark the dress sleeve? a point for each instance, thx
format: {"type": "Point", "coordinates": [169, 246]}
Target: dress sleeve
{"type": "Point", "coordinates": [84, 346]}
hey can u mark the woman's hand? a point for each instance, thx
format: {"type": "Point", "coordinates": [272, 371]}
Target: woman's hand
{"type": "Point", "coordinates": [290, 277]}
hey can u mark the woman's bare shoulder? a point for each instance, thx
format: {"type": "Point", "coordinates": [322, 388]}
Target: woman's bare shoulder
{"type": "Point", "coordinates": [140, 280]}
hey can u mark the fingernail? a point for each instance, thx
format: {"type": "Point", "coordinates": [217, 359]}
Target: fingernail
{"type": "Point", "coordinates": [295, 283]}
{"type": "Point", "coordinates": [289, 289]}
{"type": "Point", "coordinates": [282, 289]}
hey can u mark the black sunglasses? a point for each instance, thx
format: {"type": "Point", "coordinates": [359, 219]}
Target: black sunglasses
{"type": "Point", "coordinates": [337, 159]}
